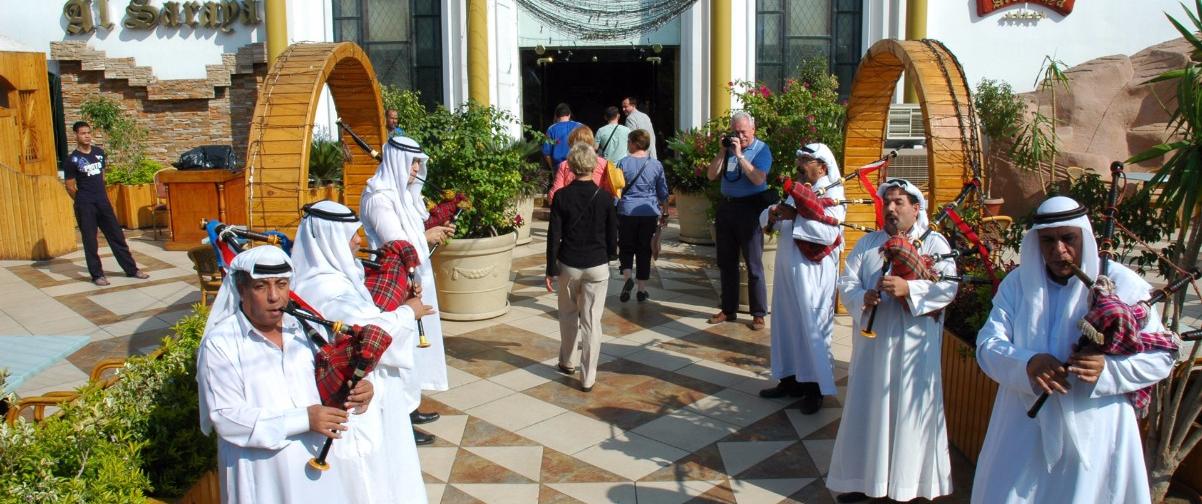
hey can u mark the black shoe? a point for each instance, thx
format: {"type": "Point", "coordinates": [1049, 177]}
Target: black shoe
{"type": "Point", "coordinates": [642, 296]}
{"type": "Point", "coordinates": [418, 418]}
{"type": "Point", "coordinates": [625, 296]}
{"type": "Point", "coordinates": [565, 370]}
{"type": "Point", "coordinates": [852, 497]}
{"type": "Point", "coordinates": [811, 398]}
{"type": "Point", "coordinates": [788, 386]}
{"type": "Point", "coordinates": [421, 438]}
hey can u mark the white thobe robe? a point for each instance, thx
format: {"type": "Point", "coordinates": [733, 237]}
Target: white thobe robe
{"type": "Point", "coordinates": [1109, 466]}
{"type": "Point", "coordinates": [381, 222]}
{"type": "Point", "coordinates": [256, 396]}
{"type": "Point", "coordinates": [393, 473]}
{"type": "Point", "coordinates": [803, 301]}
{"type": "Point", "coordinates": [892, 439]}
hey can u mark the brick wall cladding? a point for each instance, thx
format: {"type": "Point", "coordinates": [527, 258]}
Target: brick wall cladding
{"type": "Point", "coordinates": [178, 114]}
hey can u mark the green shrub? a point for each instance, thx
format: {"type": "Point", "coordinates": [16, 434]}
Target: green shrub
{"type": "Point", "coordinates": [126, 147]}
{"type": "Point", "coordinates": [140, 436]}
{"type": "Point", "coordinates": [142, 173]}
{"type": "Point", "coordinates": [326, 159]}
{"type": "Point", "coordinates": [692, 151]}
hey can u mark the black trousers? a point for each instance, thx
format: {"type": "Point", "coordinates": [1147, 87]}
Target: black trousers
{"type": "Point", "coordinates": [93, 215]}
{"type": "Point", "coordinates": [634, 243]}
{"type": "Point", "coordinates": [738, 232]}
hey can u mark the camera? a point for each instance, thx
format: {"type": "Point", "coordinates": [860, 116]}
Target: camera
{"type": "Point", "coordinates": [729, 138]}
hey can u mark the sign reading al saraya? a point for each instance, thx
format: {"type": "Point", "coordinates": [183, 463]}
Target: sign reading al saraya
{"type": "Point", "coordinates": [141, 15]}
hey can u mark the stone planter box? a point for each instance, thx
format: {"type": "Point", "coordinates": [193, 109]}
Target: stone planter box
{"type": "Point", "coordinates": [133, 204]}
{"type": "Point", "coordinates": [968, 396]}
{"type": "Point", "coordinates": [472, 275]}
{"type": "Point", "coordinates": [692, 210]}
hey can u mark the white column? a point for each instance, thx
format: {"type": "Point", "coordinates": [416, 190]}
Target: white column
{"type": "Point", "coordinates": [504, 64]}
{"type": "Point", "coordinates": [694, 68]}
{"type": "Point", "coordinates": [454, 52]}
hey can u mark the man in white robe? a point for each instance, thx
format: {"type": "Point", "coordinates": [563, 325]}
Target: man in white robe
{"type": "Point", "coordinates": [1084, 445]}
{"type": "Point", "coordinates": [803, 307]}
{"type": "Point", "coordinates": [892, 439]}
{"type": "Point", "coordinates": [255, 370]}
{"type": "Point", "coordinates": [392, 208]}
{"type": "Point", "coordinates": [330, 278]}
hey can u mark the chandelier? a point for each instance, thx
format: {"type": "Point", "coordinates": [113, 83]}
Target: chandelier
{"type": "Point", "coordinates": [605, 19]}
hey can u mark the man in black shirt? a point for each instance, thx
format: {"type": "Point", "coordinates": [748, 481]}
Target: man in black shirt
{"type": "Point", "coordinates": [84, 173]}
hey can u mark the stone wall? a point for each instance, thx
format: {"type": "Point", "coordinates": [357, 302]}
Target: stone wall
{"type": "Point", "coordinates": [179, 114]}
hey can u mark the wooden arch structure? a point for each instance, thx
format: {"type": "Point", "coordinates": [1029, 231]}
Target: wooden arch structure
{"type": "Point", "coordinates": [949, 120]}
{"type": "Point", "coordinates": [277, 157]}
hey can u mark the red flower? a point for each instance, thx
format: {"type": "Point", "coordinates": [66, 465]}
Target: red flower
{"type": "Point", "coordinates": [697, 170]}
{"type": "Point", "coordinates": [765, 92]}
{"type": "Point", "coordinates": [810, 118]}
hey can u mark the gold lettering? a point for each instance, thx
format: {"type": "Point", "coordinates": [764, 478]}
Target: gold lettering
{"type": "Point", "coordinates": [169, 14]}
{"type": "Point", "coordinates": [229, 15]}
{"type": "Point", "coordinates": [250, 12]}
{"type": "Point", "coordinates": [78, 14]}
{"type": "Point", "coordinates": [103, 6]}
{"type": "Point", "coordinates": [210, 15]}
{"type": "Point", "coordinates": [139, 16]}
{"type": "Point", "coordinates": [190, 10]}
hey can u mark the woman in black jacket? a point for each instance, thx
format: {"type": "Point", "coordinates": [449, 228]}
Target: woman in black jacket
{"type": "Point", "coordinates": [582, 237]}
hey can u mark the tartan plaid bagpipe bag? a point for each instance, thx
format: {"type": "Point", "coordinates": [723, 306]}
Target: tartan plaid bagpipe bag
{"type": "Point", "coordinates": [810, 206]}
{"type": "Point", "coordinates": [389, 285]}
{"type": "Point", "coordinates": [906, 262]}
{"type": "Point", "coordinates": [1113, 326]}
{"type": "Point", "coordinates": [444, 212]}
{"type": "Point", "coordinates": [354, 353]}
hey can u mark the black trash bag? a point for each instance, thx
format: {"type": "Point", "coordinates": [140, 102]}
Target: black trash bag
{"type": "Point", "coordinates": [209, 157]}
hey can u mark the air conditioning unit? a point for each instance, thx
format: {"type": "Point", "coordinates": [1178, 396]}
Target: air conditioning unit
{"type": "Point", "coordinates": [905, 123]}
{"type": "Point", "coordinates": [910, 164]}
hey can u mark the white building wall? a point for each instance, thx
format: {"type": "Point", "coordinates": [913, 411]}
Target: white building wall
{"type": "Point", "coordinates": [454, 52]}
{"type": "Point", "coordinates": [1011, 51]}
{"type": "Point", "coordinates": [505, 66]}
{"type": "Point", "coordinates": [173, 53]}
{"type": "Point", "coordinates": [693, 108]}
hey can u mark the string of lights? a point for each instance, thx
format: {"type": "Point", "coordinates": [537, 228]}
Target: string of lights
{"type": "Point", "coordinates": [605, 19]}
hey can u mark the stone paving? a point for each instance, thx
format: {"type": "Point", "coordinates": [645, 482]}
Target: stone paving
{"type": "Point", "coordinates": [674, 417]}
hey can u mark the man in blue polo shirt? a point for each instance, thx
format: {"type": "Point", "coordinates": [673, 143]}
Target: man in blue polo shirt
{"type": "Point", "coordinates": [84, 173]}
{"type": "Point", "coordinates": [556, 148]}
{"type": "Point", "coordinates": [743, 165]}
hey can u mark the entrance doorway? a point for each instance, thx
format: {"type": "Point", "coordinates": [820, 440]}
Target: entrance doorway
{"type": "Point", "coordinates": [591, 79]}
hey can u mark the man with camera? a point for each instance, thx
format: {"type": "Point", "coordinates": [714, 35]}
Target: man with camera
{"type": "Point", "coordinates": [743, 163]}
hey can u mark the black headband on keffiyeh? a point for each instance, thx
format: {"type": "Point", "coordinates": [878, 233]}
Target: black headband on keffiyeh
{"type": "Point", "coordinates": [311, 210]}
{"type": "Point", "coordinates": [395, 142]}
{"type": "Point", "coordinates": [271, 269]}
{"type": "Point", "coordinates": [1066, 215]}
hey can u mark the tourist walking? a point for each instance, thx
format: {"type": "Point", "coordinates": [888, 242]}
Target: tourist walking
{"type": "Point", "coordinates": [563, 173]}
{"type": "Point", "coordinates": [636, 119]}
{"type": "Point", "coordinates": [612, 137]}
{"type": "Point", "coordinates": [581, 239]}
{"type": "Point", "coordinates": [640, 210]}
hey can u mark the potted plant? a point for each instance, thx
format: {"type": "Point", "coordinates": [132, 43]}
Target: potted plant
{"type": "Point", "coordinates": [533, 182]}
{"type": "Point", "coordinates": [129, 177]}
{"type": "Point", "coordinates": [472, 152]}
{"type": "Point", "coordinates": [327, 156]}
{"type": "Point", "coordinates": [693, 192]}
{"type": "Point", "coordinates": [1001, 113]}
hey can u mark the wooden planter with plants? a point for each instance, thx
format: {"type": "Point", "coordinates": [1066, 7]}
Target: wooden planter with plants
{"type": "Point", "coordinates": [968, 396]}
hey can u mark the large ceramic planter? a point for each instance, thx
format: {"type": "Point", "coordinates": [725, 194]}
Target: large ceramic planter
{"type": "Point", "coordinates": [769, 258]}
{"type": "Point", "coordinates": [525, 209]}
{"type": "Point", "coordinates": [472, 275]}
{"type": "Point", "coordinates": [968, 396]}
{"type": "Point", "coordinates": [692, 211]}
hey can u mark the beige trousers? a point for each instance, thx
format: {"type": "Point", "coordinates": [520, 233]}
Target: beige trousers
{"type": "Point", "coordinates": [581, 303]}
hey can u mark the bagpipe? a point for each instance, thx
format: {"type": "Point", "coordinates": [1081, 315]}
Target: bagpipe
{"type": "Point", "coordinates": [228, 241]}
{"type": "Point", "coordinates": [341, 365]}
{"type": "Point", "coordinates": [395, 280]}
{"type": "Point", "coordinates": [1112, 326]}
{"type": "Point", "coordinates": [902, 259]}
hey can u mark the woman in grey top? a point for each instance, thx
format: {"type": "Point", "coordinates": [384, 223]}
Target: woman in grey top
{"type": "Point", "coordinates": [639, 212]}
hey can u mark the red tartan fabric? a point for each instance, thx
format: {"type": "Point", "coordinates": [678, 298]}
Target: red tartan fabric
{"type": "Point", "coordinates": [442, 213]}
{"type": "Point", "coordinates": [817, 251]}
{"type": "Point", "coordinates": [1120, 323]}
{"type": "Point", "coordinates": [338, 363]}
{"type": "Point", "coordinates": [389, 284]}
{"type": "Point", "coordinates": [809, 206]}
{"type": "Point", "coordinates": [905, 260]}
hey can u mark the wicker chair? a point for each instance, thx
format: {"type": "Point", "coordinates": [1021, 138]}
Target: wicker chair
{"type": "Point", "coordinates": [208, 273]}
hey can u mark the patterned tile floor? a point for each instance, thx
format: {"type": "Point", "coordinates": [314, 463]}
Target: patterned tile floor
{"type": "Point", "coordinates": [674, 416]}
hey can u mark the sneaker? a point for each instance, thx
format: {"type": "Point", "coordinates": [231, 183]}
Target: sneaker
{"type": "Point", "coordinates": [625, 296]}
{"type": "Point", "coordinates": [101, 281]}
{"type": "Point", "coordinates": [642, 296]}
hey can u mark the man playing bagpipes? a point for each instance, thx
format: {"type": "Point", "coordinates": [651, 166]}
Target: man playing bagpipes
{"type": "Point", "coordinates": [331, 280]}
{"type": "Point", "coordinates": [892, 440]}
{"type": "Point", "coordinates": [255, 370]}
{"type": "Point", "coordinates": [1084, 446]}
{"type": "Point", "coordinates": [803, 304]}
{"type": "Point", "coordinates": [393, 209]}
